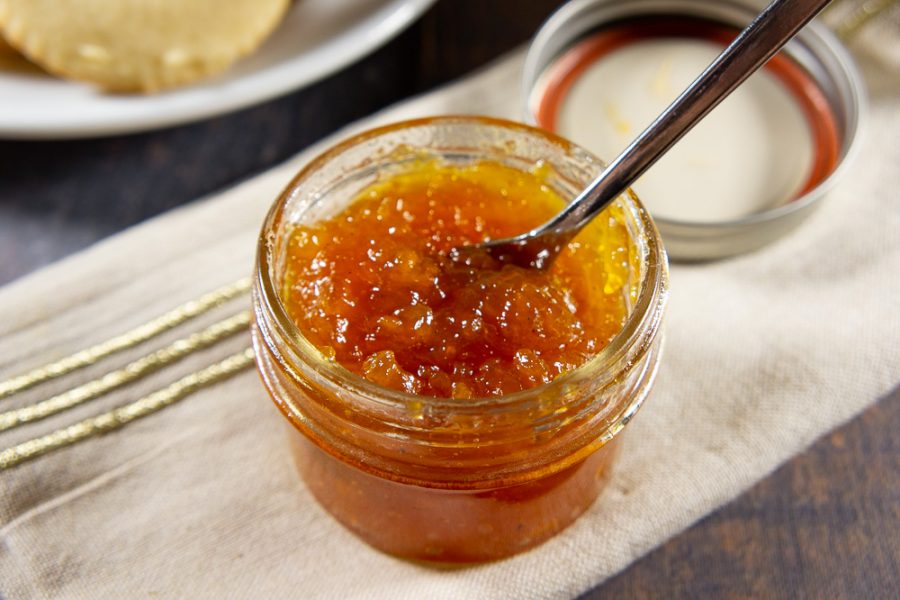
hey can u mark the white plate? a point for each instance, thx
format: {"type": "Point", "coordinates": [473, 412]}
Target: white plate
{"type": "Point", "coordinates": [317, 38]}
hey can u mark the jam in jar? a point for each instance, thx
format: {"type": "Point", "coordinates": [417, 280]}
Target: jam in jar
{"type": "Point", "coordinates": [452, 410]}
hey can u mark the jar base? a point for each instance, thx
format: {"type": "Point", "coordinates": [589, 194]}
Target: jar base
{"type": "Point", "coordinates": [449, 528]}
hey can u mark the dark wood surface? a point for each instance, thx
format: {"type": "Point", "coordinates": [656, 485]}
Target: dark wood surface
{"type": "Point", "coordinates": [825, 525]}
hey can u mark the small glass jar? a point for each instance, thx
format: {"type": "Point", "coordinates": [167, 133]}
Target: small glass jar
{"type": "Point", "coordinates": [440, 479]}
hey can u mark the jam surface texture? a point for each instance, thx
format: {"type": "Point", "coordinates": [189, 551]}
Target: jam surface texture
{"type": "Point", "coordinates": [374, 287]}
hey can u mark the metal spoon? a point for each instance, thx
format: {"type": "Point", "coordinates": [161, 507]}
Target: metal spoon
{"type": "Point", "coordinates": [755, 45]}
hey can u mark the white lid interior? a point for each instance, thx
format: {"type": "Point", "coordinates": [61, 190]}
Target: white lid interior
{"type": "Point", "coordinates": [752, 153]}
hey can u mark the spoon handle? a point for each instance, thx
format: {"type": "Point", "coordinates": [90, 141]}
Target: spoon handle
{"type": "Point", "coordinates": [750, 50]}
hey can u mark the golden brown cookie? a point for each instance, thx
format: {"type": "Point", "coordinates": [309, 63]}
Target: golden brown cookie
{"type": "Point", "coordinates": [13, 62]}
{"type": "Point", "coordinates": [137, 45]}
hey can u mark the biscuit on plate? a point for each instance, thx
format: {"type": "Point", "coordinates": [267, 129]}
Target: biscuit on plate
{"type": "Point", "coordinates": [137, 45]}
{"type": "Point", "coordinates": [13, 62]}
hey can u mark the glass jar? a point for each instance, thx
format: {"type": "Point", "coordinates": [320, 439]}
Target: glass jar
{"type": "Point", "coordinates": [441, 479]}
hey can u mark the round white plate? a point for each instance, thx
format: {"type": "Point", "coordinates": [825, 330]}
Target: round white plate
{"type": "Point", "coordinates": [317, 38]}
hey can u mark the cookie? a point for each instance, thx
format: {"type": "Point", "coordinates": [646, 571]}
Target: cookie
{"type": "Point", "coordinates": [13, 62]}
{"type": "Point", "coordinates": [137, 45]}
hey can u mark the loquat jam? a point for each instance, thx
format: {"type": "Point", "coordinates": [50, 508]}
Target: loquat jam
{"type": "Point", "coordinates": [376, 288]}
{"type": "Point", "coordinates": [447, 410]}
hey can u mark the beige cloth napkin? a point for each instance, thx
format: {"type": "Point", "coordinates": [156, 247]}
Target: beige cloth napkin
{"type": "Point", "coordinates": [765, 353]}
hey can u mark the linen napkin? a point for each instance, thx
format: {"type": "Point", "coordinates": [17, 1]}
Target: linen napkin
{"type": "Point", "coordinates": [765, 353]}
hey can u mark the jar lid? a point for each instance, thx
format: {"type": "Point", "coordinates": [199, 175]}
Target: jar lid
{"type": "Point", "coordinates": [599, 71]}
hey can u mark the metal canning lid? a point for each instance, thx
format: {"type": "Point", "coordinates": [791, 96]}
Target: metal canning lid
{"type": "Point", "coordinates": [599, 71]}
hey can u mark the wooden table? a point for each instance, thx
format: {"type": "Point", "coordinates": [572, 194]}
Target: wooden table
{"type": "Point", "coordinates": [827, 524]}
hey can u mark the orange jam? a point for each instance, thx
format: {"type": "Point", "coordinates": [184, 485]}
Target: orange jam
{"type": "Point", "coordinates": [374, 287]}
{"type": "Point", "coordinates": [446, 408]}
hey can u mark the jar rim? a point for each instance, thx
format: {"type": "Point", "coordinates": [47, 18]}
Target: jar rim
{"type": "Point", "coordinates": [652, 284]}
